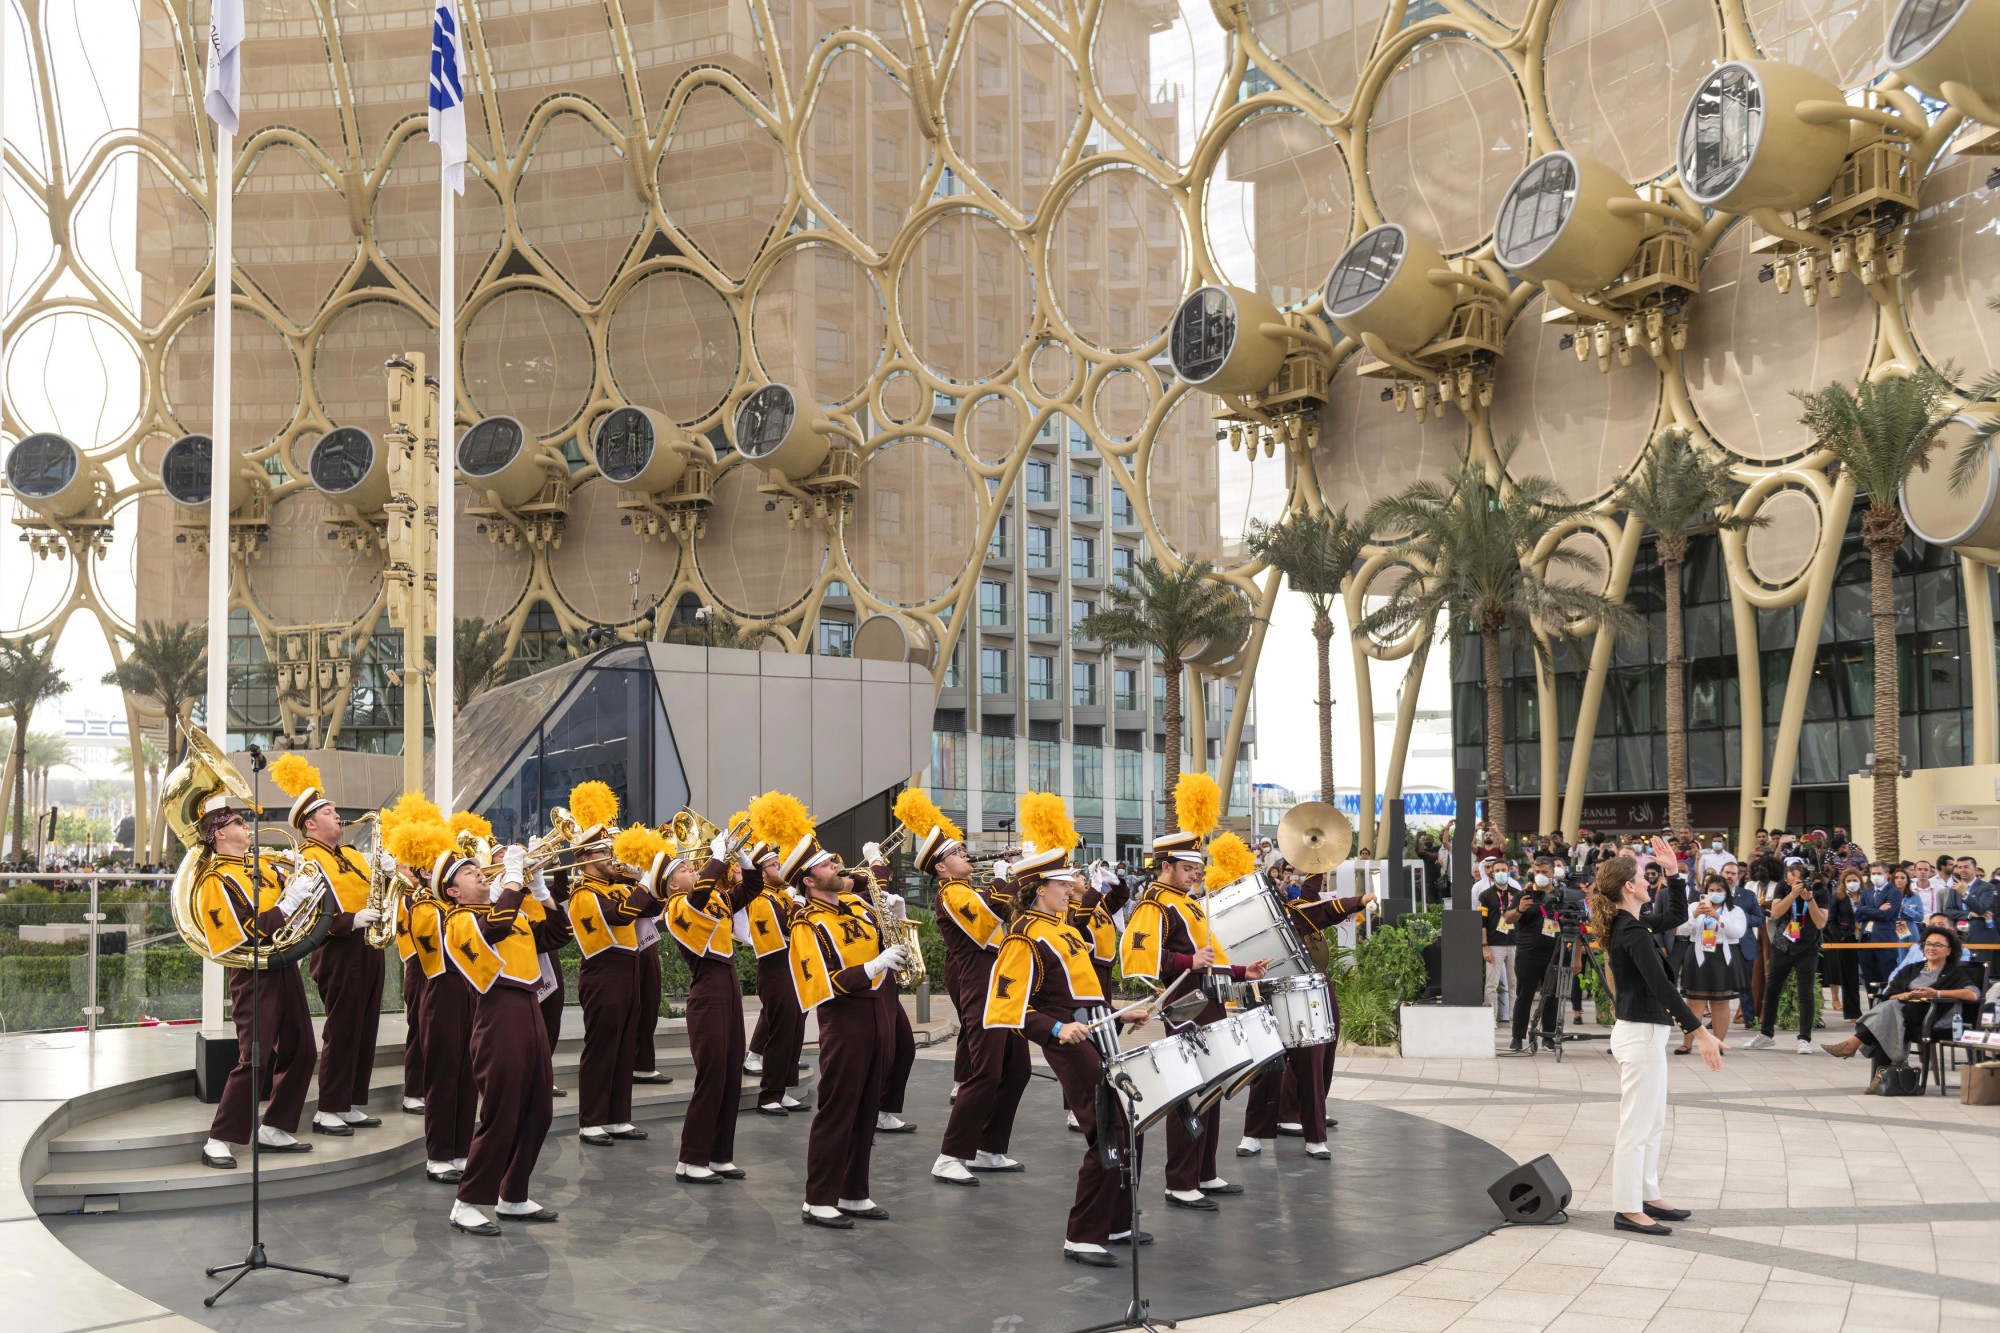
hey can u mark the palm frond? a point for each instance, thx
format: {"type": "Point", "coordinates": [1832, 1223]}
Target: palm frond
{"type": "Point", "coordinates": [1879, 430]}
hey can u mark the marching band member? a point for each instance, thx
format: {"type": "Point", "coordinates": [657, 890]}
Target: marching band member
{"type": "Point", "coordinates": [839, 966]}
{"type": "Point", "coordinates": [903, 1040]}
{"type": "Point", "coordinates": [766, 926]}
{"type": "Point", "coordinates": [552, 935]}
{"type": "Point", "coordinates": [1308, 1066]}
{"type": "Point", "coordinates": [603, 914]}
{"type": "Point", "coordinates": [1094, 913]}
{"type": "Point", "coordinates": [493, 946]}
{"type": "Point", "coordinates": [1167, 935]}
{"type": "Point", "coordinates": [1044, 984]}
{"type": "Point", "coordinates": [645, 1055]}
{"type": "Point", "coordinates": [413, 1003]}
{"type": "Point", "coordinates": [347, 971]}
{"type": "Point", "coordinates": [451, 1098]}
{"type": "Point", "coordinates": [700, 913]}
{"type": "Point", "coordinates": [237, 905]}
{"type": "Point", "coordinates": [982, 1114]}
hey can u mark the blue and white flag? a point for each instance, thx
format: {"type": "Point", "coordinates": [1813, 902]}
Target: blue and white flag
{"type": "Point", "coordinates": [225, 67]}
{"type": "Point", "coordinates": [447, 101]}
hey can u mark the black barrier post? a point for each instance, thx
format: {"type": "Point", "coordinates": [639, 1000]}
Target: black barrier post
{"type": "Point", "coordinates": [1463, 978]}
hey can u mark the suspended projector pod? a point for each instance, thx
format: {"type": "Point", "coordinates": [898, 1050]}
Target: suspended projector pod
{"type": "Point", "coordinates": [1761, 134]}
{"type": "Point", "coordinates": [54, 478]}
{"type": "Point", "coordinates": [638, 451]}
{"type": "Point", "coordinates": [774, 430]}
{"type": "Point", "coordinates": [1568, 222]}
{"type": "Point", "coordinates": [1227, 340]}
{"type": "Point", "coordinates": [499, 461]}
{"type": "Point", "coordinates": [1950, 49]}
{"type": "Point", "coordinates": [346, 466]}
{"type": "Point", "coordinates": [1382, 289]}
{"type": "Point", "coordinates": [187, 478]}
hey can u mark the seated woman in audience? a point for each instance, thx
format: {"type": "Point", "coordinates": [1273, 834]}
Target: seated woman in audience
{"type": "Point", "coordinates": [1885, 1031]}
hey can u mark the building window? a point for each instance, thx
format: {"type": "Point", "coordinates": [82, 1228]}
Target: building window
{"type": "Point", "coordinates": [1079, 439]}
{"type": "Point", "coordinates": [1121, 564]}
{"type": "Point", "coordinates": [1044, 765]}
{"type": "Point", "coordinates": [1083, 557]}
{"type": "Point", "coordinates": [1041, 547]}
{"type": "Point", "coordinates": [1082, 494]}
{"type": "Point", "coordinates": [993, 602]}
{"type": "Point", "coordinates": [1083, 684]}
{"type": "Point", "coordinates": [1087, 772]}
{"type": "Point", "coordinates": [993, 675]}
{"type": "Point", "coordinates": [954, 675]}
{"type": "Point", "coordinates": [835, 588]}
{"type": "Point", "coordinates": [1129, 773]}
{"type": "Point", "coordinates": [1041, 677]}
{"type": "Point", "coordinates": [1080, 610]}
{"type": "Point", "coordinates": [1125, 688]}
{"type": "Point", "coordinates": [996, 772]}
{"type": "Point", "coordinates": [948, 769]}
{"type": "Point", "coordinates": [1041, 611]}
{"type": "Point", "coordinates": [1121, 507]}
{"type": "Point", "coordinates": [836, 638]}
{"type": "Point", "coordinates": [1041, 484]}
{"type": "Point", "coordinates": [1002, 544]}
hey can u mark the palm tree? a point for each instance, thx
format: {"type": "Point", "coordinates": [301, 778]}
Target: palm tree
{"type": "Point", "coordinates": [142, 761]}
{"type": "Point", "coordinates": [1315, 552]}
{"type": "Point", "coordinates": [45, 753]}
{"type": "Point", "coordinates": [1680, 492]}
{"type": "Point", "coordinates": [1986, 434]}
{"type": "Point", "coordinates": [28, 679]}
{"type": "Point", "coordinates": [1176, 614]}
{"type": "Point", "coordinates": [482, 660]}
{"type": "Point", "coordinates": [1881, 431]}
{"type": "Point", "coordinates": [168, 664]}
{"type": "Point", "coordinates": [1476, 541]}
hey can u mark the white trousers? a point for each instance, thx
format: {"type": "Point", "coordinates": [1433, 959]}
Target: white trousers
{"type": "Point", "coordinates": [1501, 991]}
{"type": "Point", "coordinates": [1641, 1052]}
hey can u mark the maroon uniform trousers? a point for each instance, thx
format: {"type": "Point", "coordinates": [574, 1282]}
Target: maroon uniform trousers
{"type": "Point", "coordinates": [645, 1056]}
{"type": "Point", "coordinates": [608, 989]}
{"type": "Point", "coordinates": [857, 1040]}
{"type": "Point", "coordinates": [1191, 1160]}
{"type": "Point", "coordinates": [1103, 1205]}
{"type": "Point", "coordinates": [450, 1093]}
{"type": "Point", "coordinates": [715, 1036]}
{"type": "Point", "coordinates": [285, 1036]}
{"type": "Point", "coordinates": [902, 1053]}
{"type": "Point", "coordinates": [349, 975]}
{"type": "Point", "coordinates": [1282, 1084]}
{"type": "Point", "coordinates": [780, 1025]}
{"type": "Point", "coordinates": [510, 1065]}
{"type": "Point", "coordinates": [413, 1027]}
{"type": "Point", "coordinates": [997, 1070]}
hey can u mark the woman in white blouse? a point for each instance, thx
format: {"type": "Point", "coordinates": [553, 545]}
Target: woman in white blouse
{"type": "Point", "coordinates": [1709, 976]}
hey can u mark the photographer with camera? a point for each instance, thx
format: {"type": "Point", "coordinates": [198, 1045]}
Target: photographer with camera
{"type": "Point", "coordinates": [1550, 917]}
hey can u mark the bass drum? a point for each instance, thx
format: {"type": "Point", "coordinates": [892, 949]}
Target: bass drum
{"type": "Point", "coordinates": [1249, 920]}
{"type": "Point", "coordinates": [1155, 1078]}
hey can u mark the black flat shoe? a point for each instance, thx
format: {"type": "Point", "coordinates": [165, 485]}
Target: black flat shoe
{"type": "Point", "coordinates": [1091, 1258]}
{"type": "Point", "coordinates": [558, 1092]}
{"type": "Point", "coordinates": [331, 1131]}
{"type": "Point", "coordinates": [1201, 1205]}
{"type": "Point", "coordinates": [296, 1145]}
{"type": "Point", "coordinates": [1287, 1132]}
{"type": "Point", "coordinates": [1220, 1189]}
{"type": "Point", "coordinates": [1624, 1223]}
{"type": "Point", "coordinates": [654, 1077]}
{"type": "Point", "coordinates": [1249, 1152]}
{"type": "Point", "coordinates": [413, 1110]}
{"type": "Point", "coordinates": [995, 1170]}
{"type": "Point", "coordinates": [596, 1140]}
{"type": "Point", "coordinates": [733, 1173]}
{"type": "Point", "coordinates": [1320, 1154]}
{"type": "Point", "coordinates": [483, 1229]}
{"type": "Point", "coordinates": [539, 1215]}
{"type": "Point", "coordinates": [772, 1110]}
{"type": "Point", "coordinates": [905, 1128]}
{"type": "Point", "coordinates": [841, 1223]}
{"type": "Point", "coordinates": [219, 1163]}
{"type": "Point", "coordinates": [366, 1122]}
{"type": "Point", "coordinates": [633, 1133]}
{"type": "Point", "coordinates": [1667, 1214]}
{"type": "Point", "coordinates": [954, 1180]}
{"type": "Point", "coordinates": [1145, 1238]}
{"type": "Point", "coordinates": [876, 1214]}
{"type": "Point", "coordinates": [451, 1177]}
{"type": "Point", "coordinates": [687, 1177]}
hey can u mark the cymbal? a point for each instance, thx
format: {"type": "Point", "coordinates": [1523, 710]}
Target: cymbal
{"type": "Point", "coordinates": [1315, 837]}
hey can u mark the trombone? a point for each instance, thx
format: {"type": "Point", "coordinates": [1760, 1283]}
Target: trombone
{"type": "Point", "coordinates": [544, 852]}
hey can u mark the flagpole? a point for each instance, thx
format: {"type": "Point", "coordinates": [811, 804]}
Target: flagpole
{"type": "Point", "coordinates": [444, 699]}
{"type": "Point", "coordinates": [220, 459]}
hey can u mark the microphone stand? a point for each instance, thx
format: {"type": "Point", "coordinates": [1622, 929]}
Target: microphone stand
{"type": "Point", "coordinates": [256, 1260]}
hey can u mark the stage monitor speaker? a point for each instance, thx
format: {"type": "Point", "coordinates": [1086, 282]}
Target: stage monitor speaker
{"type": "Point", "coordinates": [214, 1057]}
{"type": "Point", "coordinates": [1533, 1192]}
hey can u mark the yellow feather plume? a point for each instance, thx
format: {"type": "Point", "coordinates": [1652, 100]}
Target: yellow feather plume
{"type": "Point", "coordinates": [417, 842]}
{"type": "Point", "coordinates": [780, 820]}
{"type": "Point", "coordinates": [1197, 803]}
{"type": "Point", "coordinates": [593, 803]}
{"type": "Point", "coordinates": [410, 807]}
{"type": "Point", "coordinates": [293, 774]}
{"type": "Point", "coordinates": [1229, 859]}
{"type": "Point", "coordinates": [1046, 823]}
{"type": "Point", "coordinates": [917, 812]}
{"type": "Point", "coordinates": [467, 822]}
{"type": "Point", "coordinates": [637, 846]}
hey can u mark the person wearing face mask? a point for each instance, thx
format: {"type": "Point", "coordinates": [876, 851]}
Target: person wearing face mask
{"type": "Point", "coordinates": [1876, 914]}
{"type": "Point", "coordinates": [1748, 895]}
{"type": "Point", "coordinates": [1839, 969]}
{"type": "Point", "coordinates": [1979, 905]}
{"type": "Point", "coordinates": [1499, 905]}
{"type": "Point", "coordinates": [1713, 858]}
{"type": "Point", "coordinates": [1712, 931]}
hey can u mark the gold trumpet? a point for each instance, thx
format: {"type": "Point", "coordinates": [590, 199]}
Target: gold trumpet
{"type": "Point", "coordinates": [689, 829]}
{"type": "Point", "coordinates": [544, 852]}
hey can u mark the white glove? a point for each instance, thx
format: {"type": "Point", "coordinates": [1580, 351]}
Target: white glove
{"type": "Point", "coordinates": [386, 865]}
{"type": "Point", "coordinates": [300, 891]}
{"type": "Point", "coordinates": [515, 864]}
{"type": "Point", "coordinates": [1101, 877]}
{"type": "Point", "coordinates": [894, 907]}
{"type": "Point", "coordinates": [367, 917]}
{"type": "Point", "coordinates": [795, 895]}
{"type": "Point", "coordinates": [871, 852]}
{"type": "Point", "coordinates": [1000, 869]}
{"type": "Point", "coordinates": [718, 847]}
{"type": "Point", "coordinates": [889, 960]}
{"type": "Point", "coordinates": [744, 859]}
{"type": "Point", "coordinates": [540, 888]}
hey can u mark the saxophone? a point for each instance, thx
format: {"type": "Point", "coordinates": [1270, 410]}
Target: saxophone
{"type": "Point", "coordinates": [897, 928]}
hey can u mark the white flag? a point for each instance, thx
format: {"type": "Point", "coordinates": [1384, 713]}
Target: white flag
{"type": "Point", "coordinates": [225, 66]}
{"type": "Point", "coordinates": [447, 100]}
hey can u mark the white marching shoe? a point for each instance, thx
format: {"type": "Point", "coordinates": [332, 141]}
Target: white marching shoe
{"type": "Point", "coordinates": [952, 1171]}
{"type": "Point", "coordinates": [1249, 1147]}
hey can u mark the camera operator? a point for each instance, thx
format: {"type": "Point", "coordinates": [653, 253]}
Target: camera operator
{"type": "Point", "coordinates": [1549, 917]}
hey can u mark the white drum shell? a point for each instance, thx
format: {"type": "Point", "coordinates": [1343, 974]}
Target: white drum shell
{"type": "Point", "coordinates": [1303, 1007]}
{"type": "Point", "coordinates": [1250, 922]}
{"type": "Point", "coordinates": [1163, 1073]}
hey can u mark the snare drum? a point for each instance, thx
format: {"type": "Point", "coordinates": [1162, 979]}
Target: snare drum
{"type": "Point", "coordinates": [1250, 922]}
{"type": "Point", "coordinates": [1222, 1051]}
{"type": "Point", "coordinates": [1155, 1078]}
{"type": "Point", "coordinates": [1303, 1007]}
{"type": "Point", "coordinates": [1266, 1043]}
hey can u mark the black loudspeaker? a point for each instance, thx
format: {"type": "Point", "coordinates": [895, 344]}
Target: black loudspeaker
{"type": "Point", "coordinates": [1533, 1192]}
{"type": "Point", "coordinates": [214, 1057]}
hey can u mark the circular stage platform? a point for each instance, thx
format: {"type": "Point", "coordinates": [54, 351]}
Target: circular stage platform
{"type": "Point", "coordinates": [636, 1250]}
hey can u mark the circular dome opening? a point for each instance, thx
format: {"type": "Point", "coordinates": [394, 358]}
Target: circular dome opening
{"type": "Point", "coordinates": [341, 460]}
{"type": "Point", "coordinates": [40, 466]}
{"type": "Point", "coordinates": [1537, 208]}
{"type": "Point", "coordinates": [624, 443]}
{"type": "Point", "coordinates": [186, 470]}
{"type": "Point", "coordinates": [1368, 266]}
{"type": "Point", "coordinates": [490, 446]}
{"type": "Point", "coordinates": [764, 421]}
{"type": "Point", "coordinates": [1721, 132]}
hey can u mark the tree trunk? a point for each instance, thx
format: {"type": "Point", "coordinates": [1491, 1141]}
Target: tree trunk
{"type": "Point", "coordinates": [170, 763]}
{"type": "Point", "coordinates": [1323, 640]}
{"type": "Point", "coordinates": [1173, 670]}
{"type": "Point", "coordinates": [17, 765]}
{"type": "Point", "coordinates": [1673, 552]}
{"type": "Point", "coordinates": [1882, 535]}
{"type": "Point", "coordinates": [141, 800]}
{"type": "Point", "coordinates": [1496, 717]}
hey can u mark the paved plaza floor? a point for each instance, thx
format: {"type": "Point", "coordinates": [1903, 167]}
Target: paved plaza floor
{"type": "Point", "coordinates": [1816, 1209]}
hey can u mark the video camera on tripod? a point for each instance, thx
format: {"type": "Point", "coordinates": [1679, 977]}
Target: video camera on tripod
{"type": "Point", "coordinates": [1562, 903]}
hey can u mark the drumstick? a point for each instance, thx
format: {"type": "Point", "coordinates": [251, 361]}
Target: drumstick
{"type": "Point", "coordinates": [1159, 999]}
